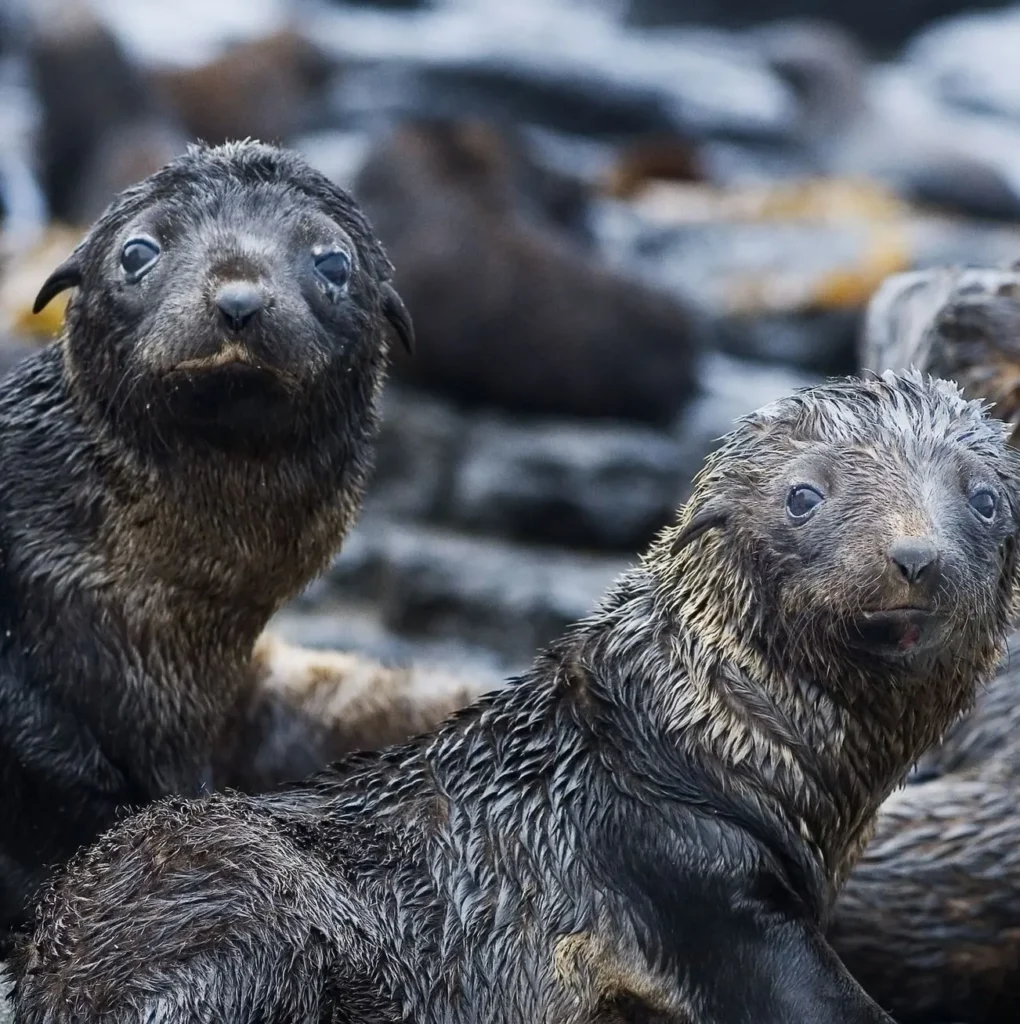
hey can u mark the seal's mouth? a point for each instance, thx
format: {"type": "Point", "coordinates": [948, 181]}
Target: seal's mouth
{"type": "Point", "coordinates": [896, 631]}
{"type": "Point", "coordinates": [235, 395]}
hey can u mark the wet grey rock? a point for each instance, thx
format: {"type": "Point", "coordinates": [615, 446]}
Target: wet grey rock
{"type": "Point", "coordinates": [819, 341]}
{"type": "Point", "coordinates": [428, 582]}
{"type": "Point", "coordinates": [559, 482]}
{"type": "Point", "coordinates": [337, 154]}
{"type": "Point", "coordinates": [328, 623]}
{"type": "Point", "coordinates": [970, 60]}
{"type": "Point", "coordinates": [564, 67]}
{"type": "Point", "coordinates": [23, 204]}
{"type": "Point", "coordinates": [419, 441]}
{"type": "Point", "coordinates": [882, 26]}
{"type": "Point", "coordinates": [731, 388]}
{"type": "Point", "coordinates": [756, 281]}
{"type": "Point", "coordinates": [762, 283]}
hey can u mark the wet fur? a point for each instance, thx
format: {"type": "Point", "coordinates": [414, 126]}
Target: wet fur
{"type": "Point", "coordinates": [647, 826]}
{"type": "Point", "coordinates": [510, 312]}
{"type": "Point", "coordinates": [142, 551]}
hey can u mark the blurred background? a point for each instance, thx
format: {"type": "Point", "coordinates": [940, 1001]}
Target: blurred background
{"type": "Point", "coordinates": [617, 225]}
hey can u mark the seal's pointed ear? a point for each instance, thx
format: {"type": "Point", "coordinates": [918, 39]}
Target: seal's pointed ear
{"type": "Point", "coordinates": [707, 519]}
{"type": "Point", "coordinates": [67, 275]}
{"type": "Point", "coordinates": [396, 312]}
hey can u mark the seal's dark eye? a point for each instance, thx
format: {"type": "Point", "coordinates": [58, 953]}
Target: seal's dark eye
{"type": "Point", "coordinates": [802, 501]}
{"type": "Point", "coordinates": [334, 266]}
{"type": "Point", "coordinates": [138, 257]}
{"type": "Point", "coordinates": [983, 502]}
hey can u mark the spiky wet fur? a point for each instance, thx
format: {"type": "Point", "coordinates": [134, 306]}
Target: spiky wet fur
{"type": "Point", "coordinates": [139, 561]}
{"type": "Point", "coordinates": [648, 826]}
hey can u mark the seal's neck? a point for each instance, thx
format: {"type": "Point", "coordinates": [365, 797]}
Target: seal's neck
{"type": "Point", "coordinates": [190, 553]}
{"type": "Point", "coordinates": [822, 756]}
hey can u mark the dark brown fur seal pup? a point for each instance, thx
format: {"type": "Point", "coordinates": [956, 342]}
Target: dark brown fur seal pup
{"type": "Point", "coordinates": [180, 463]}
{"type": "Point", "coordinates": [268, 88]}
{"type": "Point", "coordinates": [508, 311]}
{"type": "Point", "coordinates": [648, 825]}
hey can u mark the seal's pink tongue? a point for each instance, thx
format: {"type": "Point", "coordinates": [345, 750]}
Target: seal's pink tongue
{"type": "Point", "coordinates": [910, 637]}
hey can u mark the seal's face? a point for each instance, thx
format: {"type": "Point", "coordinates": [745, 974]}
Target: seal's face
{"type": "Point", "coordinates": [869, 520]}
{"type": "Point", "coordinates": [229, 295]}
{"type": "Point", "coordinates": [898, 540]}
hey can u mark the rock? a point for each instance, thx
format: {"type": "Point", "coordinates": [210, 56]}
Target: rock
{"type": "Point", "coordinates": [562, 66]}
{"type": "Point", "coordinates": [420, 439]}
{"type": "Point", "coordinates": [188, 33]}
{"type": "Point", "coordinates": [882, 26]}
{"type": "Point", "coordinates": [22, 200]}
{"type": "Point", "coordinates": [888, 124]}
{"type": "Point", "coordinates": [962, 324]}
{"type": "Point", "coordinates": [580, 486]}
{"type": "Point", "coordinates": [337, 154]}
{"type": "Point", "coordinates": [509, 598]}
{"type": "Point", "coordinates": [970, 60]}
{"type": "Point", "coordinates": [24, 272]}
{"type": "Point", "coordinates": [731, 388]}
{"type": "Point", "coordinates": [357, 626]}
{"type": "Point", "coordinates": [785, 270]}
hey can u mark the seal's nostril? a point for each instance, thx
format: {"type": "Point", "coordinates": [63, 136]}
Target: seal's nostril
{"type": "Point", "coordinates": [238, 302]}
{"type": "Point", "coordinates": [913, 557]}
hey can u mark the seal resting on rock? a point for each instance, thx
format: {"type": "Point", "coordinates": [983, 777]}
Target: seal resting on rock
{"type": "Point", "coordinates": [650, 823]}
{"type": "Point", "coordinates": [509, 311]}
{"type": "Point", "coordinates": [180, 463]}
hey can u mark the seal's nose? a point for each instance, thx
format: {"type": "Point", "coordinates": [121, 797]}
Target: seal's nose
{"type": "Point", "coordinates": [238, 302]}
{"type": "Point", "coordinates": [914, 557]}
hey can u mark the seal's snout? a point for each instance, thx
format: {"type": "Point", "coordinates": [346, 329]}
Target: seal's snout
{"type": "Point", "coordinates": [238, 302]}
{"type": "Point", "coordinates": [914, 559]}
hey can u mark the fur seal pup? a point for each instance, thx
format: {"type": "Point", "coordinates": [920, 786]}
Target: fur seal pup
{"type": "Point", "coordinates": [648, 825]}
{"type": "Point", "coordinates": [510, 312]}
{"type": "Point", "coordinates": [182, 461]}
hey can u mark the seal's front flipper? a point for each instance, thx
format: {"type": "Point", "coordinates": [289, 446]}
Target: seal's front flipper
{"type": "Point", "coordinates": [779, 970]}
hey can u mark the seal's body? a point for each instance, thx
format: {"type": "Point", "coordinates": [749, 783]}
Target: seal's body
{"type": "Point", "coordinates": [510, 311]}
{"type": "Point", "coordinates": [184, 459]}
{"type": "Point", "coordinates": [646, 826]}
{"type": "Point", "coordinates": [929, 920]}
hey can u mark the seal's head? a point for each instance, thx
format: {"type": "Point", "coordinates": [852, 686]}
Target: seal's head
{"type": "Point", "coordinates": [865, 524]}
{"type": "Point", "coordinates": [233, 295]}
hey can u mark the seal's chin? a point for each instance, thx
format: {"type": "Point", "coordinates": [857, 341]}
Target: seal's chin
{"type": "Point", "coordinates": [896, 632]}
{"type": "Point", "coordinates": [229, 398]}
